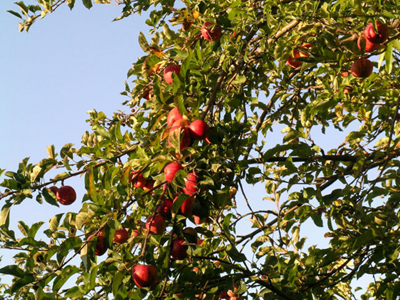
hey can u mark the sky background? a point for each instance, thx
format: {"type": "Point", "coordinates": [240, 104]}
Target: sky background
{"type": "Point", "coordinates": [70, 62]}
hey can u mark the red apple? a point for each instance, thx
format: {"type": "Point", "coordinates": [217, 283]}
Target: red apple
{"type": "Point", "coordinates": [366, 45]}
{"type": "Point", "coordinates": [199, 129]}
{"type": "Point", "coordinates": [121, 236]}
{"type": "Point", "coordinates": [156, 225]}
{"type": "Point", "coordinates": [135, 233]}
{"type": "Point", "coordinates": [149, 185]}
{"type": "Point", "coordinates": [169, 70]}
{"type": "Point", "coordinates": [179, 249]}
{"type": "Point", "coordinates": [173, 116]}
{"type": "Point", "coordinates": [190, 184]}
{"type": "Point", "coordinates": [171, 169]}
{"type": "Point", "coordinates": [144, 275]}
{"type": "Point", "coordinates": [376, 37]}
{"type": "Point", "coordinates": [186, 208]}
{"type": "Point", "coordinates": [164, 209]}
{"type": "Point", "coordinates": [362, 68]}
{"type": "Point", "coordinates": [139, 181]}
{"type": "Point", "coordinates": [180, 127]}
{"type": "Point", "coordinates": [296, 54]}
{"type": "Point", "coordinates": [101, 246]}
{"type": "Point", "coordinates": [210, 34]}
{"type": "Point", "coordinates": [54, 189]}
{"type": "Point", "coordinates": [66, 195]}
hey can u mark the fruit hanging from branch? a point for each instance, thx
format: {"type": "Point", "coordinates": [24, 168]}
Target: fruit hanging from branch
{"type": "Point", "coordinates": [169, 71]}
{"type": "Point", "coordinates": [297, 53]}
{"type": "Point", "coordinates": [211, 32]}
{"type": "Point", "coordinates": [66, 195]}
{"type": "Point", "coordinates": [362, 68]}
{"type": "Point", "coordinates": [376, 37]}
{"type": "Point", "coordinates": [144, 275]}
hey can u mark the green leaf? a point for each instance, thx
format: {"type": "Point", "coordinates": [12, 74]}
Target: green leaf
{"type": "Point", "coordinates": [14, 13]}
{"type": "Point", "coordinates": [55, 222]}
{"type": "Point", "coordinates": [4, 215]}
{"type": "Point", "coordinates": [71, 3]}
{"type": "Point", "coordinates": [389, 57]}
{"type": "Point", "coordinates": [87, 3]}
{"type": "Point", "coordinates": [117, 282]}
{"type": "Point", "coordinates": [13, 270]}
{"type": "Point", "coordinates": [90, 186]}
{"type": "Point", "coordinates": [235, 254]}
{"type": "Point", "coordinates": [51, 151]}
{"type": "Point", "coordinates": [65, 274]}
{"type": "Point", "coordinates": [143, 42]}
{"type": "Point", "coordinates": [49, 198]}
{"type": "Point", "coordinates": [27, 279]}
{"type": "Point", "coordinates": [23, 228]}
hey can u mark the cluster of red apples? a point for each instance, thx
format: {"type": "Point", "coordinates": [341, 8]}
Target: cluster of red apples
{"type": "Point", "coordinates": [181, 130]}
{"type": "Point", "coordinates": [368, 41]}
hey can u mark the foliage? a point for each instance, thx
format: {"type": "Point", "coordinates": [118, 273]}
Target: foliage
{"type": "Point", "coordinates": [243, 88]}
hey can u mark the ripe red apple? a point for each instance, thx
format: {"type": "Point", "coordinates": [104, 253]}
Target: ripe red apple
{"type": "Point", "coordinates": [138, 180]}
{"type": "Point", "coordinates": [169, 70]}
{"type": "Point", "coordinates": [54, 189]}
{"type": "Point", "coordinates": [66, 195]}
{"type": "Point", "coordinates": [366, 45]}
{"type": "Point", "coordinates": [187, 207]}
{"type": "Point", "coordinates": [121, 236]}
{"type": "Point", "coordinates": [156, 225]}
{"type": "Point", "coordinates": [362, 68]}
{"type": "Point", "coordinates": [144, 275]}
{"type": "Point", "coordinates": [179, 249]}
{"type": "Point", "coordinates": [190, 184]}
{"type": "Point", "coordinates": [173, 116]}
{"type": "Point", "coordinates": [171, 169]}
{"type": "Point", "coordinates": [149, 185]}
{"type": "Point", "coordinates": [135, 233]}
{"type": "Point", "coordinates": [210, 34]}
{"type": "Point", "coordinates": [376, 37]}
{"type": "Point", "coordinates": [296, 54]}
{"type": "Point", "coordinates": [164, 209]}
{"type": "Point", "coordinates": [101, 246]}
{"type": "Point", "coordinates": [199, 129]}
{"type": "Point", "coordinates": [180, 127]}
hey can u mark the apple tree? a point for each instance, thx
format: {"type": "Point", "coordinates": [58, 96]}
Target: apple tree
{"type": "Point", "coordinates": [230, 97]}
